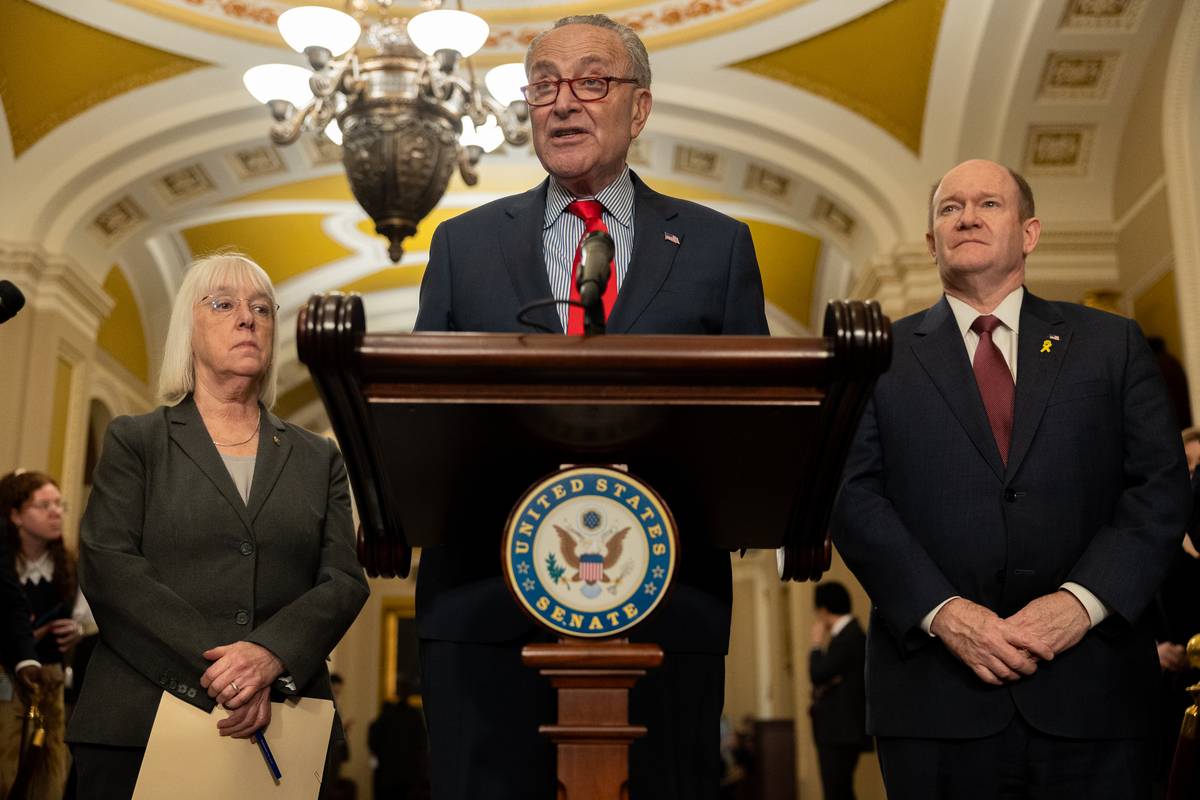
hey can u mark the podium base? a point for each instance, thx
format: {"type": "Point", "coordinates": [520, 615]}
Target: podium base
{"type": "Point", "coordinates": [593, 734]}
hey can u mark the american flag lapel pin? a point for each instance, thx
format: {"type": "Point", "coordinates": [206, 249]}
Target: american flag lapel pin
{"type": "Point", "coordinates": [1054, 336]}
{"type": "Point", "coordinates": [672, 238]}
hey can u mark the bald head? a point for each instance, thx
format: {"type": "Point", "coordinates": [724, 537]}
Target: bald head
{"type": "Point", "coordinates": [1025, 207]}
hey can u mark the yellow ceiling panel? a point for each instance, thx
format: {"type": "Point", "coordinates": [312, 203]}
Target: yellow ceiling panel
{"type": "Point", "coordinates": [387, 278]}
{"type": "Point", "coordinates": [53, 68]}
{"type": "Point", "coordinates": [285, 245]}
{"type": "Point", "coordinates": [877, 65]}
{"type": "Point", "coordinates": [122, 335]}
{"type": "Point", "coordinates": [788, 261]}
{"type": "Point", "coordinates": [425, 228]}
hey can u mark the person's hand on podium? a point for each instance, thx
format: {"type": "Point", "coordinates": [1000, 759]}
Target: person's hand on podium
{"type": "Point", "coordinates": [249, 717]}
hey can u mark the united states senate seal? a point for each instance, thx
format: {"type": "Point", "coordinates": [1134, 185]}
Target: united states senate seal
{"type": "Point", "coordinates": [590, 551]}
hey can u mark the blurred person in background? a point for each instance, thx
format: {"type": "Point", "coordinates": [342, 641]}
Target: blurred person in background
{"type": "Point", "coordinates": [33, 507]}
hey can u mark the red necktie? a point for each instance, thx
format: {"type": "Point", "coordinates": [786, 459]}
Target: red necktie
{"type": "Point", "coordinates": [590, 211]}
{"type": "Point", "coordinates": [995, 383]}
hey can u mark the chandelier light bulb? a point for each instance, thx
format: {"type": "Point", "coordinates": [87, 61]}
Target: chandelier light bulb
{"type": "Point", "coordinates": [288, 82]}
{"type": "Point", "coordinates": [316, 26]}
{"type": "Point", "coordinates": [505, 81]}
{"type": "Point", "coordinates": [487, 136]}
{"type": "Point", "coordinates": [333, 133]}
{"type": "Point", "coordinates": [447, 29]}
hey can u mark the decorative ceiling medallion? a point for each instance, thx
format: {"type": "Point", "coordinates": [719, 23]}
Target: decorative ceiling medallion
{"type": "Point", "coordinates": [661, 23]}
{"type": "Point", "coordinates": [119, 218]}
{"type": "Point", "coordinates": [256, 162]}
{"type": "Point", "coordinates": [322, 150]}
{"type": "Point", "coordinates": [693, 161]}
{"type": "Point", "coordinates": [1078, 76]}
{"type": "Point", "coordinates": [763, 181]}
{"type": "Point", "coordinates": [185, 184]}
{"type": "Point", "coordinates": [1058, 150]}
{"type": "Point", "coordinates": [1103, 15]}
{"type": "Point", "coordinates": [831, 215]}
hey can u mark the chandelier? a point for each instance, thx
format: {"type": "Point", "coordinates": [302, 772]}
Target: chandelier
{"type": "Point", "coordinates": [401, 98]}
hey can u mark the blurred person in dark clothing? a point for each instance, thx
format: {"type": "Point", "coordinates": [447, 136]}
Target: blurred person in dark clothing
{"type": "Point", "coordinates": [397, 741]}
{"type": "Point", "coordinates": [839, 709]}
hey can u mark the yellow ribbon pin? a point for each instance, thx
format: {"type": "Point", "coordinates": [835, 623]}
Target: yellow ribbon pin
{"type": "Point", "coordinates": [1046, 345]}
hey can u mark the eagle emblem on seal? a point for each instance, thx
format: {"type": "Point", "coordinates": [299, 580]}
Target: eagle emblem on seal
{"type": "Point", "coordinates": [591, 552]}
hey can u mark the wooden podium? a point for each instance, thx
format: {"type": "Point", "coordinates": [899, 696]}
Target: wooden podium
{"type": "Point", "coordinates": [743, 437]}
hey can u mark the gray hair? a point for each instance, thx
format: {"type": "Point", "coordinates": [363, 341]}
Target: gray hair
{"type": "Point", "coordinates": [639, 59]}
{"type": "Point", "coordinates": [177, 378]}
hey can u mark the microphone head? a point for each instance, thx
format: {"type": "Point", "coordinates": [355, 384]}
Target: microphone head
{"type": "Point", "coordinates": [11, 301]}
{"type": "Point", "coordinates": [600, 243]}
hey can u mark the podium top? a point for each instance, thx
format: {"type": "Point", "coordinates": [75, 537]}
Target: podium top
{"type": "Point", "coordinates": [744, 436]}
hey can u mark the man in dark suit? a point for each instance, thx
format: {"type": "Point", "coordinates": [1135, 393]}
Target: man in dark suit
{"type": "Point", "coordinates": [679, 268]}
{"type": "Point", "coordinates": [839, 706]}
{"type": "Point", "coordinates": [1012, 498]}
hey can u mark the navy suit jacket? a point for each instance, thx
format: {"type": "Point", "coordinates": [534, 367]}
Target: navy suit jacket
{"type": "Point", "coordinates": [1095, 492]}
{"type": "Point", "coordinates": [839, 708]}
{"type": "Point", "coordinates": [485, 265]}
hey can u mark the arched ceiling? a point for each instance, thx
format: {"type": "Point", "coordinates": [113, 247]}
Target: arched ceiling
{"type": "Point", "coordinates": [819, 122]}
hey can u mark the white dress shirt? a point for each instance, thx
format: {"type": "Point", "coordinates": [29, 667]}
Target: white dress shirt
{"type": "Point", "coordinates": [1005, 339]}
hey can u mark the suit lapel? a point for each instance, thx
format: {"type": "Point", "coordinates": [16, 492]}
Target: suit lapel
{"type": "Point", "coordinates": [940, 349]}
{"type": "Point", "coordinates": [652, 258]}
{"type": "Point", "coordinates": [274, 448]}
{"type": "Point", "coordinates": [521, 247]}
{"type": "Point", "coordinates": [1039, 359]}
{"type": "Point", "coordinates": [189, 433]}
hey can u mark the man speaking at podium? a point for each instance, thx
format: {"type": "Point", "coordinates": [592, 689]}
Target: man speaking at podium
{"type": "Point", "coordinates": [678, 268]}
{"type": "Point", "coordinates": [1012, 499]}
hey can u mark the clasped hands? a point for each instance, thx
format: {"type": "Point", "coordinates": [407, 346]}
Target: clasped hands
{"type": "Point", "coordinates": [1000, 650]}
{"type": "Point", "coordinates": [240, 679]}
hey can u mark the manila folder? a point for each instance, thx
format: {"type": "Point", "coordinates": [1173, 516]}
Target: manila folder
{"type": "Point", "coordinates": [187, 759]}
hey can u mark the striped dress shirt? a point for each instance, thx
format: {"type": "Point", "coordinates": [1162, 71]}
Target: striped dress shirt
{"type": "Point", "coordinates": [562, 231]}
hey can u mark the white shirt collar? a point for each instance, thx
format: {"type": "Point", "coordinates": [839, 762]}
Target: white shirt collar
{"type": "Point", "coordinates": [36, 571]}
{"type": "Point", "coordinates": [1009, 311]}
{"type": "Point", "coordinates": [840, 625]}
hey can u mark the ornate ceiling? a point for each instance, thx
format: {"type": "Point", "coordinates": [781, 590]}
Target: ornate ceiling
{"type": "Point", "coordinates": [127, 142]}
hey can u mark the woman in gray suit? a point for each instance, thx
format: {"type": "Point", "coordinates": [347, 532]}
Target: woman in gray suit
{"type": "Point", "coordinates": [217, 548]}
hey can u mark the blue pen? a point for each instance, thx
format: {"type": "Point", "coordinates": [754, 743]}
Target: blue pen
{"type": "Point", "coordinates": [266, 751]}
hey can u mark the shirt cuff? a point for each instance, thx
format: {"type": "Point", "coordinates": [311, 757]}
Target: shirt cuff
{"type": "Point", "coordinates": [1096, 610]}
{"type": "Point", "coordinates": [29, 662]}
{"type": "Point", "coordinates": [927, 620]}
{"type": "Point", "coordinates": [286, 684]}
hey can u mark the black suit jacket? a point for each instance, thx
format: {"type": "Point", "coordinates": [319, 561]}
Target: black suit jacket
{"type": "Point", "coordinates": [173, 563]}
{"type": "Point", "coordinates": [1095, 492]}
{"type": "Point", "coordinates": [16, 638]}
{"type": "Point", "coordinates": [839, 709]}
{"type": "Point", "coordinates": [485, 265]}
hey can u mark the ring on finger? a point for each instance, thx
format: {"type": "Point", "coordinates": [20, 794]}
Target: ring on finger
{"type": "Point", "coordinates": [236, 688]}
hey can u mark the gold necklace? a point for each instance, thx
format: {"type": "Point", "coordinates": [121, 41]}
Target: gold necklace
{"type": "Point", "coordinates": [239, 444]}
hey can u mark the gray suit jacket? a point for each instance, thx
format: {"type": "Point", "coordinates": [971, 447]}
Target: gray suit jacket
{"type": "Point", "coordinates": [173, 563]}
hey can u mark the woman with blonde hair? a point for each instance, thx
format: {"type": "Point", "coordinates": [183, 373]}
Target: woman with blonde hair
{"type": "Point", "coordinates": [217, 548]}
{"type": "Point", "coordinates": [32, 508]}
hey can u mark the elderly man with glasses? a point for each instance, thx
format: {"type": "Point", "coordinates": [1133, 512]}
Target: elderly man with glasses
{"type": "Point", "coordinates": [678, 268]}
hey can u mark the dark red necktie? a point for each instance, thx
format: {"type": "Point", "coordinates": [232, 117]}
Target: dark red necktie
{"type": "Point", "coordinates": [591, 212]}
{"type": "Point", "coordinates": [995, 383]}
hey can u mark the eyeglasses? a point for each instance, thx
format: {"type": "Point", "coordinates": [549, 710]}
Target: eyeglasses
{"type": "Point", "coordinates": [588, 89]}
{"type": "Point", "coordinates": [223, 305]}
{"type": "Point", "coordinates": [46, 505]}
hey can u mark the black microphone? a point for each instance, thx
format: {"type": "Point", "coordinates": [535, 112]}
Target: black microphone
{"type": "Point", "coordinates": [11, 301]}
{"type": "Point", "coordinates": [596, 255]}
